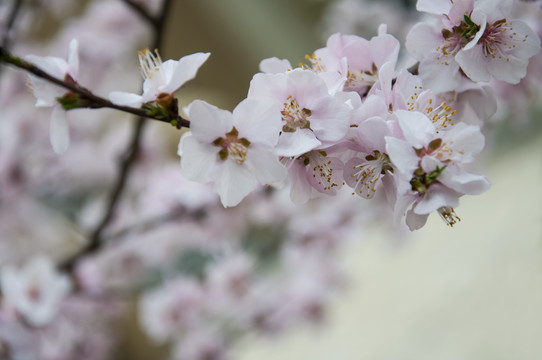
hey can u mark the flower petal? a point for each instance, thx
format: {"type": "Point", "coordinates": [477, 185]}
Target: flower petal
{"type": "Point", "coordinates": [73, 60]}
{"type": "Point", "coordinates": [297, 142]}
{"type": "Point", "coordinates": [258, 120]}
{"type": "Point", "coordinates": [125, 99]}
{"type": "Point", "coordinates": [59, 131]}
{"type": "Point", "coordinates": [233, 182]}
{"type": "Point", "coordinates": [197, 159]}
{"type": "Point", "coordinates": [208, 122]}
{"type": "Point", "coordinates": [186, 70]}
{"type": "Point", "coordinates": [264, 164]}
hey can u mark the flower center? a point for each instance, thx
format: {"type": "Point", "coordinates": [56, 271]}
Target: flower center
{"type": "Point", "coordinates": [494, 41]}
{"type": "Point", "coordinates": [316, 63]}
{"type": "Point", "coordinates": [322, 170]}
{"type": "Point", "coordinates": [232, 146]}
{"type": "Point", "coordinates": [368, 173]}
{"type": "Point", "coordinates": [441, 116]}
{"type": "Point", "coordinates": [295, 116]}
{"type": "Point", "coordinates": [149, 63]}
{"type": "Point", "coordinates": [356, 79]}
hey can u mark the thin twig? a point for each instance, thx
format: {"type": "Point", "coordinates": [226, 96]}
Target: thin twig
{"type": "Point", "coordinates": [6, 39]}
{"type": "Point", "coordinates": [179, 212]}
{"type": "Point", "coordinates": [91, 100]}
{"type": "Point", "coordinates": [95, 240]}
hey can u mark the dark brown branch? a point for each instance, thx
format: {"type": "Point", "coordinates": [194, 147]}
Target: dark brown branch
{"type": "Point", "coordinates": [11, 23]}
{"type": "Point", "coordinates": [87, 98]}
{"type": "Point", "coordinates": [95, 240]}
{"type": "Point", "coordinates": [6, 38]}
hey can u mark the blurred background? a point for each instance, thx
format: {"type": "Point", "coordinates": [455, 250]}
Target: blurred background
{"type": "Point", "coordinates": [472, 292]}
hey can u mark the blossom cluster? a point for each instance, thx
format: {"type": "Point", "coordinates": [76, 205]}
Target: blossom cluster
{"type": "Point", "coordinates": [351, 117]}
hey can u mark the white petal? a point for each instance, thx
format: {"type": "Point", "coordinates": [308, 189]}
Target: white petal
{"type": "Point", "coordinates": [436, 197]}
{"type": "Point", "coordinates": [465, 141]}
{"type": "Point", "coordinates": [402, 155]}
{"type": "Point", "coordinates": [207, 122]}
{"type": "Point", "coordinates": [436, 7]}
{"type": "Point", "coordinates": [73, 60]}
{"type": "Point", "coordinates": [330, 119]}
{"type": "Point", "coordinates": [197, 159]}
{"type": "Point", "coordinates": [371, 133]}
{"type": "Point", "coordinates": [233, 182]}
{"type": "Point", "coordinates": [300, 189]}
{"type": "Point", "coordinates": [125, 99]}
{"type": "Point", "coordinates": [258, 120]}
{"type": "Point", "coordinates": [59, 130]}
{"type": "Point", "coordinates": [417, 128]}
{"type": "Point", "coordinates": [45, 92]}
{"type": "Point", "coordinates": [264, 164]}
{"type": "Point", "coordinates": [269, 85]}
{"type": "Point", "coordinates": [526, 41]}
{"type": "Point", "coordinates": [422, 39]}
{"type": "Point", "coordinates": [384, 48]}
{"type": "Point", "coordinates": [415, 221]}
{"type": "Point", "coordinates": [53, 66]}
{"type": "Point", "coordinates": [275, 65]}
{"type": "Point", "coordinates": [464, 182]}
{"type": "Point", "coordinates": [497, 8]}
{"type": "Point", "coordinates": [186, 70]}
{"type": "Point", "coordinates": [473, 63]}
{"type": "Point", "coordinates": [296, 143]}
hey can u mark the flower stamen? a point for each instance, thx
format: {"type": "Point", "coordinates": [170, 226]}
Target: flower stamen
{"type": "Point", "coordinates": [148, 62]}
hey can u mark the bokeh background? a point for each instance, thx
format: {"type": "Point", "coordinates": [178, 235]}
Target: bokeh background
{"type": "Point", "coordinates": [471, 292]}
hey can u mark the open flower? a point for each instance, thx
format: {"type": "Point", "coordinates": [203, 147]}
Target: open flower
{"type": "Point", "coordinates": [35, 290]}
{"type": "Point", "coordinates": [47, 93]}
{"type": "Point", "coordinates": [477, 37]}
{"type": "Point", "coordinates": [233, 150]}
{"type": "Point", "coordinates": [311, 117]}
{"type": "Point", "coordinates": [430, 167]}
{"type": "Point", "coordinates": [160, 78]}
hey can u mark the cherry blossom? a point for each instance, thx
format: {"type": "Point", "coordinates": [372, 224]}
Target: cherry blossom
{"type": "Point", "coordinates": [161, 79]}
{"type": "Point", "coordinates": [356, 59]}
{"type": "Point", "coordinates": [475, 36]}
{"type": "Point", "coordinates": [233, 150]}
{"type": "Point", "coordinates": [311, 117]}
{"type": "Point", "coordinates": [35, 290]}
{"type": "Point", "coordinates": [47, 93]}
{"type": "Point", "coordinates": [429, 167]}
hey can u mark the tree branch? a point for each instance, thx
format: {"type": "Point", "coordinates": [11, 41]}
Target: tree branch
{"type": "Point", "coordinates": [95, 240]}
{"type": "Point", "coordinates": [89, 100]}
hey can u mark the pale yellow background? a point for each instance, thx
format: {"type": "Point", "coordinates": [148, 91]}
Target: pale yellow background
{"type": "Point", "coordinates": [473, 292]}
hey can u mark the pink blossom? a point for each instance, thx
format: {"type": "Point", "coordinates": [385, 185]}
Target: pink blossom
{"type": "Point", "coordinates": [430, 167]}
{"type": "Point", "coordinates": [477, 38]}
{"type": "Point", "coordinates": [311, 117]}
{"type": "Point", "coordinates": [232, 150]}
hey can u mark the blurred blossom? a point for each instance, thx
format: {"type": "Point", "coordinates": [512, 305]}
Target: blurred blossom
{"type": "Point", "coordinates": [362, 139]}
{"type": "Point", "coordinates": [35, 290]}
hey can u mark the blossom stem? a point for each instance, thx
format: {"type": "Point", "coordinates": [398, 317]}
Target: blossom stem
{"type": "Point", "coordinates": [91, 100]}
